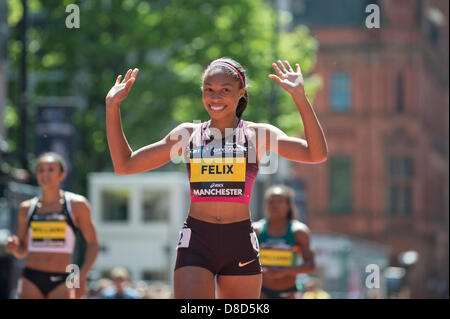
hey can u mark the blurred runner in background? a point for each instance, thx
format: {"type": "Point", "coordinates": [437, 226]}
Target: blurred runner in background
{"type": "Point", "coordinates": [46, 235]}
{"type": "Point", "coordinates": [282, 239]}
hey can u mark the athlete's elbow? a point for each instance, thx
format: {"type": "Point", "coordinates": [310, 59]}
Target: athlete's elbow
{"type": "Point", "coordinates": [95, 247]}
{"type": "Point", "coordinates": [22, 254]}
{"type": "Point", "coordinates": [121, 170]}
{"type": "Point", "coordinates": [322, 158]}
{"type": "Point", "coordinates": [318, 158]}
{"type": "Point", "coordinates": [311, 267]}
{"type": "Point", "coordinates": [122, 165]}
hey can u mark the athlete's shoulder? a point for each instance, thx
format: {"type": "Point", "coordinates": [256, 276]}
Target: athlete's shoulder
{"type": "Point", "coordinates": [77, 201]}
{"type": "Point", "coordinates": [75, 198]}
{"type": "Point", "coordinates": [26, 204]}
{"type": "Point", "coordinates": [183, 129]}
{"type": "Point", "coordinates": [252, 125]}
{"type": "Point", "coordinates": [299, 227]}
{"type": "Point", "coordinates": [187, 126]}
{"type": "Point", "coordinates": [80, 206]}
{"type": "Point", "coordinates": [256, 126]}
{"type": "Point", "coordinates": [264, 129]}
{"type": "Point", "coordinates": [258, 224]}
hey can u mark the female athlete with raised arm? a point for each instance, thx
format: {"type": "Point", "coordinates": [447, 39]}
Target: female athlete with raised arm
{"type": "Point", "coordinates": [222, 157]}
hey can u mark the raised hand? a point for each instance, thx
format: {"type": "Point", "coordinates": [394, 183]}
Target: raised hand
{"type": "Point", "coordinates": [120, 90]}
{"type": "Point", "coordinates": [288, 79]}
{"type": "Point", "coordinates": [12, 245]}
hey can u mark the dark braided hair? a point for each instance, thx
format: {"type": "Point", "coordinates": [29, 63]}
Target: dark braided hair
{"type": "Point", "coordinates": [242, 104]}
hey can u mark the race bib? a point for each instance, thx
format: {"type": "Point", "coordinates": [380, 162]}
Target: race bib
{"type": "Point", "coordinates": [213, 169]}
{"type": "Point", "coordinates": [185, 238]}
{"type": "Point", "coordinates": [277, 257]}
{"type": "Point", "coordinates": [48, 230]}
{"type": "Point", "coordinates": [218, 176]}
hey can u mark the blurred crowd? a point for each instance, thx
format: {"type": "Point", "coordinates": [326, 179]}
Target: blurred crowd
{"type": "Point", "coordinates": [119, 286]}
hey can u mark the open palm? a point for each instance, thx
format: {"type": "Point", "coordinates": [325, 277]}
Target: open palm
{"type": "Point", "coordinates": [287, 78]}
{"type": "Point", "coordinates": [120, 89]}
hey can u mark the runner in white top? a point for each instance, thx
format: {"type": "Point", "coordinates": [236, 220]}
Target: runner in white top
{"type": "Point", "coordinates": [46, 235]}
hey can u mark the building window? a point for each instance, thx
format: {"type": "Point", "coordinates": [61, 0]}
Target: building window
{"type": "Point", "coordinates": [399, 104]}
{"type": "Point", "coordinates": [340, 184]}
{"type": "Point", "coordinates": [326, 13]}
{"type": "Point", "coordinates": [115, 204]}
{"type": "Point", "coordinates": [105, 273]}
{"type": "Point", "coordinates": [154, 275]}
{"type": "Point", "coordinates": [400, 173]}
{"type": "Point", "coordinates": [436, 23]}
{"type": "Point", "coordinates": [155, 205]}
{"type": "Point", "coordinates": [434, 33]}
{"type": "Point", "coordinates": [340, 92]}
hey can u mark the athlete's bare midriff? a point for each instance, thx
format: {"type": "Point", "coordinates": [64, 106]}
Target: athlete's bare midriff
{"type": "Point", "coordinates": [279, 283]}
{"type": "Point", "coordinates": [48, 262]}
{"type": "Point", "coordinates": [219, 212]}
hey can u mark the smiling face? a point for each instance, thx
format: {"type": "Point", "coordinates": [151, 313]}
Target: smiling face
{"type": "Point", "coordinates": [221, 94]}
{"type": "Point", "coordinates": [49, 173]}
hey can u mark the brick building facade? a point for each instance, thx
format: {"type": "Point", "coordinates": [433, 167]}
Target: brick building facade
{"type": "Point", "coordinates": [384, 108]}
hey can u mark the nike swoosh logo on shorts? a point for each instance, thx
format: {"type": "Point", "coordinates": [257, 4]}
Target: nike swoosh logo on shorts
{"type": "Point", "coordinates": [55, 278]}
{"type": "Point", "coordinates": [245, 264]}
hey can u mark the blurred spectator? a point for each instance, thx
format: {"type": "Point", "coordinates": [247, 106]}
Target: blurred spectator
{"type": "Point", "coordinates": [141, 288]}
{"type": "Point", "coordinates": [121, 288]}
{"type": "Point", "coordinates": [313, 290]}
{"type": "Point", "coordinates": [159, 290]}
{"type": "Point", "coordinates": [7, 172]}
{"type": "Point", "coordinates": [372, 294]}
{"type": "Point", "coordinates": [106, 288]}
{"type": "Point", "coordinates": [96, 288]}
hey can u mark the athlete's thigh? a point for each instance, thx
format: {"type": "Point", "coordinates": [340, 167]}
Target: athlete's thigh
{"type": "Point", "coordinates": [193, 282]}
{"type": "Point", "coordinates": [239, 287]}
{"type": "Point", "coordinates": [28, 290]}
{"type": "Point", "coordinates": [60, 292]}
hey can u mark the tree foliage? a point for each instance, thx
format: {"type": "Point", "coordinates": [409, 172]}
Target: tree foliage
{"type": "Point", "coordinates": [171, 42]}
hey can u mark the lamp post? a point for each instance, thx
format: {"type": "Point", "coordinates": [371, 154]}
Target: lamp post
{"type": "Point", "coordinates": [273, 98]}
{"type": "Point", "coordinates": [23, 99]}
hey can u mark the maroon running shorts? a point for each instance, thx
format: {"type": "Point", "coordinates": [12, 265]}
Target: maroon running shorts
{"type": "Point", "coordinates": [224, 249]}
